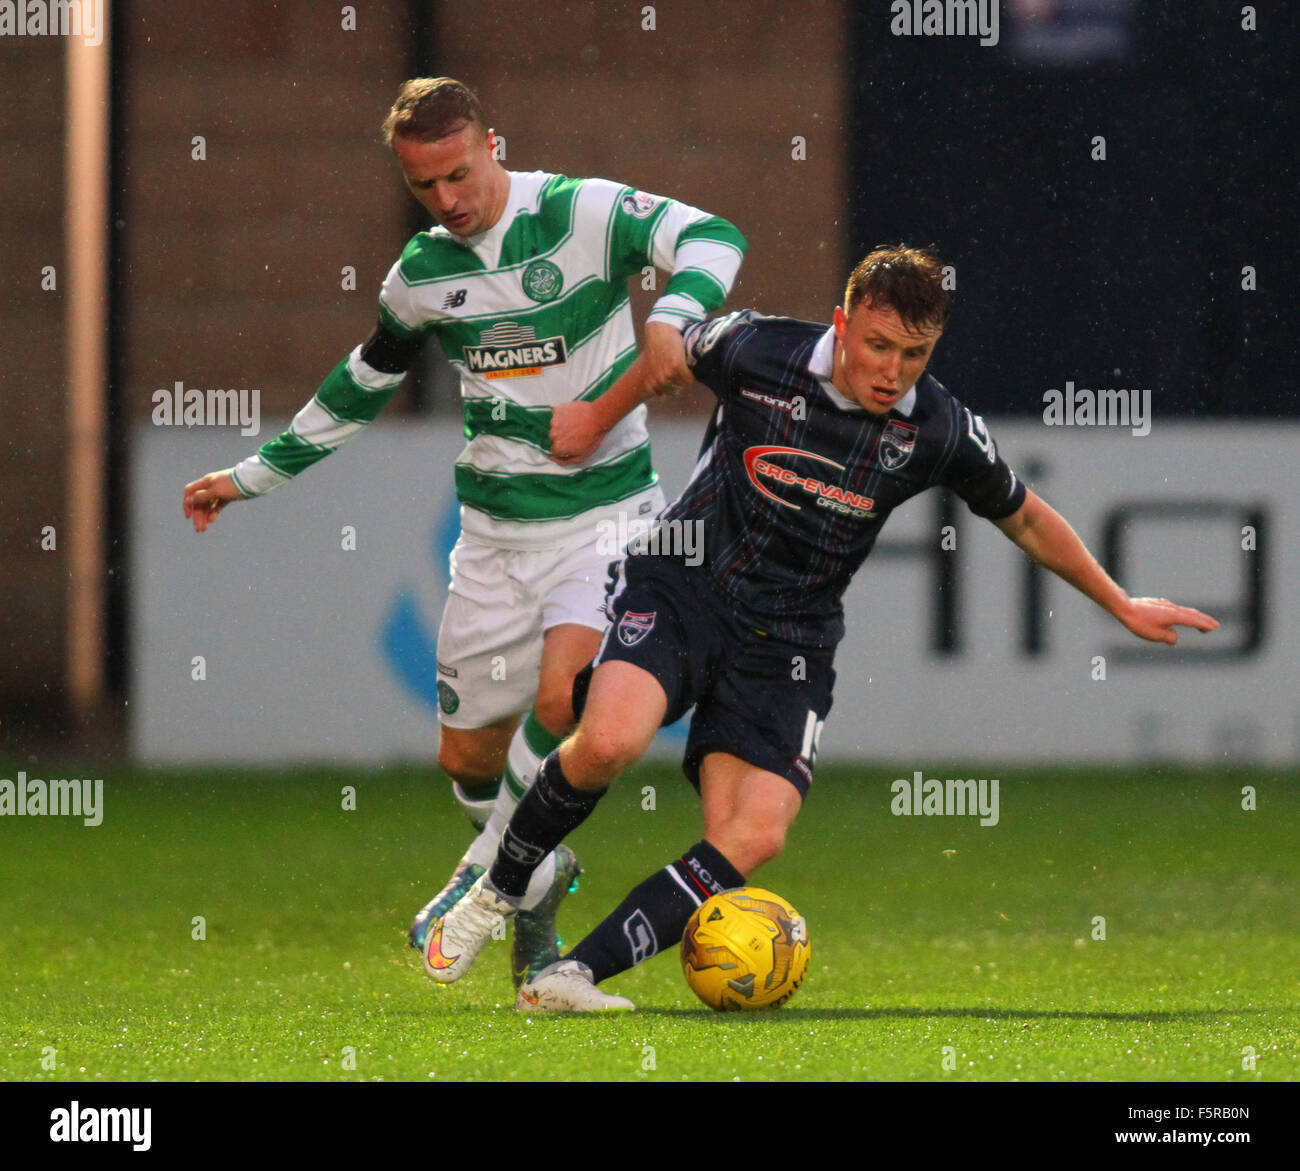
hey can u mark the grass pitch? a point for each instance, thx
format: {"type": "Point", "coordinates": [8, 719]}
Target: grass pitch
{"type": "Point", "coordinates": [941, 950]}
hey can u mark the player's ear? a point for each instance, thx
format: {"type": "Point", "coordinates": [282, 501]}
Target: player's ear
{"type": "Point", "coordinates": [840, 321]}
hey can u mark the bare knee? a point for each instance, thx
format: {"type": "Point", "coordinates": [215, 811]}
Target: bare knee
{"type": "Point", "coordinates": [566, 650]}
{"type": "Point", "coordinates": [624, 709]}
{"type": "Point", "coordinates": [747, 845]}
{"type": "Point", "coordinates": [595, 757]}
{"type": "Point", "coordinates": [554, 707]}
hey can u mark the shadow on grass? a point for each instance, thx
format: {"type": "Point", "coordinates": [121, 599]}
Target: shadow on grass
{"type": "Point", "coordinates": [1008, 1014]}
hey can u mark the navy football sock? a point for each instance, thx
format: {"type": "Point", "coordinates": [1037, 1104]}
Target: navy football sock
{"type": "Point", "coordinates": [655, 914]}
{"type": "Point", "coordinates": [546, 814]}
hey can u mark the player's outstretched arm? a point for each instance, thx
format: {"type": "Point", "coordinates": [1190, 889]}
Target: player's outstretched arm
{"type": "Point", "coordinates": [207, 496]}
{"type": "Point", "coordinates": [1048, 538]}
{"type": "Point", "coordinates": [349, 399]}
{"type": "Point", "coordinates": [579, 428]}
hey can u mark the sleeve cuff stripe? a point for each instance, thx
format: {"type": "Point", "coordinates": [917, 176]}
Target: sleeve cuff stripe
{"type": "Point", "coordinates": [682, 302]}
{"type": "Point", "coordinates": [256, 467]}
{"type": "Point", "coordinates": [669, 312]}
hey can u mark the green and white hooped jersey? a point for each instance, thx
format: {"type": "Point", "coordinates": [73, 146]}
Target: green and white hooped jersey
{"type": "Point", "coordinates": [532, 313]}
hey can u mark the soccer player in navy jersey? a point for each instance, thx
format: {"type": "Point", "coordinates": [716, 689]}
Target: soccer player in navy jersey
{"type": "Point", "coordinates": [819, 434]}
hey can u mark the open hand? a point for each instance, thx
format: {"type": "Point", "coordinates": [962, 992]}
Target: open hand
{"type": "Point", "coordinates": [1155, 618]}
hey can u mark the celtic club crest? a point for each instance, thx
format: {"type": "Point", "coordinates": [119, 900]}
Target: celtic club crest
{"type": "Point", "coordinates": [543, 280]}
{"type": "Point", "coordinates": [448, 700]}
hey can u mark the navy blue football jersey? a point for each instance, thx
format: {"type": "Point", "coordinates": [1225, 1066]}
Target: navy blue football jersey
{"type": "Point", "coordinates": [794, 481]}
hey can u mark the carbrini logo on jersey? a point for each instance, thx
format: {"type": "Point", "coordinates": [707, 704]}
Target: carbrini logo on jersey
{"type": "Point", "coordinates": [510, 350]}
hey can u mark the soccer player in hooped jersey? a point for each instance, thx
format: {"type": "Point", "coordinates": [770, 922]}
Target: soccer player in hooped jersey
{"type": "Point", "coordinates": [523, 279]}
{"type": "Point", "coordinates": [819, 434]}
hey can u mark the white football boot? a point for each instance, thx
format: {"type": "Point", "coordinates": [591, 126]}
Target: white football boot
{"type": "Point", "coordinates": [465, 875]}
{"type": "Point", "coordinates": [455, 940]}
{"type": "Point", "coordinates": [567, 986]}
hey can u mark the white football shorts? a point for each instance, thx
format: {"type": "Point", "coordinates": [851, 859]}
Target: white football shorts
{"type": "Point", "coordinates": [499, 605]}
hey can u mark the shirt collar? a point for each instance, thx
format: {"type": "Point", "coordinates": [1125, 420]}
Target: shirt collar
{"type": "Point", "coordinates": [821, 366]}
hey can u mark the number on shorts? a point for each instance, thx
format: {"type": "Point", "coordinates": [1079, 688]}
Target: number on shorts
{"type": "Point", "coordinates": [611, 584]}
{"type": "Point", "coordinates": [812, 736]}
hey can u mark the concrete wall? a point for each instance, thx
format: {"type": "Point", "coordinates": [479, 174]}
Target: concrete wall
{"type": "Point", "coordinates": [703, 107]}
{"type": "Point", "coordinates": [232, 265]}
{"type": "Point", "coordinates": [32, 402]}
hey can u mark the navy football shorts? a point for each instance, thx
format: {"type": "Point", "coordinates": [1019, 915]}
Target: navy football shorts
{"type": "Point", "coordinates": [755, 696]}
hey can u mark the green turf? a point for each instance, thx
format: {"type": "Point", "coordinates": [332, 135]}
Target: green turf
{"type": "Point", "coordinates": [931, 937]}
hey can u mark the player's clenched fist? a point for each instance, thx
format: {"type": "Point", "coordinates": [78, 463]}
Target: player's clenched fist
{"type": "Point", "coordinates": [663, 359]}
{"type": "Point", "coordinates": [207, 496]}
{"type": "Point", "coordinates": [577, 430]}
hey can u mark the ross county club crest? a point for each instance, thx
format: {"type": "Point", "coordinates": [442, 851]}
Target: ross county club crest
{"type": "Point", "coordinates": [633, 627]}
{"type": "Point", "coordinates": [896, 444]}
{"type": "Point", "coordinates": [543, 280]}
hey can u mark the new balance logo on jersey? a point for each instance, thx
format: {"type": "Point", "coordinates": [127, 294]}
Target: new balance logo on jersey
{"type": "Point", "coordinates": [455, 299]}
{"type": "Point", "coordinates": [509, 350]}
{"type": "Point", "coordinates": [760, 466]}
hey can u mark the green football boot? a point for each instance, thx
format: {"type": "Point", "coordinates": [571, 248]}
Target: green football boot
{"type": "Point", "coordinates": [536, 945]}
